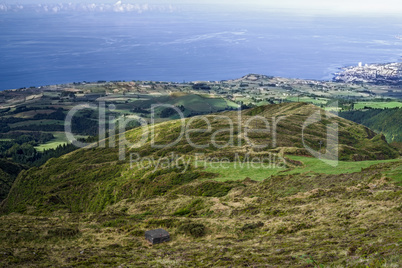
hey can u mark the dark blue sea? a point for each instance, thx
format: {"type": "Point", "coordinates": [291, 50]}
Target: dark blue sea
{"type": "Point", "coordinates": [45, 48]}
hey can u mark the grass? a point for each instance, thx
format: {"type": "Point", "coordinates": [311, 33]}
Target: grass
{"type": "Point", "coordinates": [378, 105]}
{"type": "Point", "coordinates": [349, 220]}
{"type": "Point", "coordinates": [202, 104]}
{"type": "Point", "coordinates": [311, 164]}
{"type": "Point", "coordinates": [49, 145]}
{"type": "Point", "coordinates": [31, 114]}
{"type": "Point", "coordinates": [192, 102]}
{"type": "Point", "coordinates": [396, 174]}
{"type": "Point", "coordinates": [235, 171]}
{"type": "Point", "coordinates": [60, 139]}
{"type": "Point", "coordinates": [88, 208]}
{"type": "Point", "coordinates": [238, 171]}
{"type": "Point", "coordinates": [315, 101]}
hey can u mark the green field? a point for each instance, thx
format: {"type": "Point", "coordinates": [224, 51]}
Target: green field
{"type": "Point", "coordinates": [396, 174]}
{"type": "Point", "coordinates": [378, 105]}
{"type": "Point", "coordinates": [191, 102]}
{"type": "Point", "coordinates": [202, 104]}
{"type": "Point", "coordinates": [314, 165]}
{"type": "Point", "coordinates": [60, 139]}
{"type": "Point", "coordinates": [236, 171]}
{"type": "Point", "coordinates": [316, 101]}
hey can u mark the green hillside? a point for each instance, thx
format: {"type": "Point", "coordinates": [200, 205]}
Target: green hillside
{"type": "Point", "coordinates": [95, 207]}
{"type": "Point", "coordinates": [342, 220]}
{"type": "Point", "coordinates": [386, 121]}
{"type": "Point", "coordinates": [91, 179]}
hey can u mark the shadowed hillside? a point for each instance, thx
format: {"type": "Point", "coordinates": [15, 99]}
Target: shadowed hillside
{"type": "Point", "coordinates": [8, 172]}
{"type": "Point", "coordinates": [386, 121]}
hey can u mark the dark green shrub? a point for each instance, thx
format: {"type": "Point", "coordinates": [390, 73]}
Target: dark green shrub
{"type": "Point", "coordinates": [184, 178]}
{"type": "Point", "coordinates": [137, 232]}
{"type": "Point", "coordinates": [114, 223]}
{"type": "Point", "coordinates": [251, 226]}
{"type": "Point", "coordinates": [214, 189]}
{"type": "Point", "coordinates": [141, 216]}
{"type": "Point", "coordinates": [63, 232]}
{"type": "Point", "coordinates": [193, 229]}
{"type": "Point", "coordinates": [191, 209]}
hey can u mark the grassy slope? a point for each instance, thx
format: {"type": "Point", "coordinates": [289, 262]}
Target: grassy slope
{"type": "Point", "coordinates": [95, 208]}
{"type": "Point", "coordinates": [345, 220]}
{"type": "Point", "coordinates": [73, 181]}
{"type": "Point", "coordinates": [239, 171]}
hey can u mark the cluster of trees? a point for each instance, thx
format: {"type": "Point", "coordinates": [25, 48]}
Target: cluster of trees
{"type": "Point", "coordinates": [201, 86]}
{"type": "Point", "coordinates": [84, 123]}
{"type": "Point", "coordinates": [4, 127]}
{"type": "Point", "coordinates": [168, 112]}
{"type": "Point", "coordinates": [56, 115]}
{"type": "Point", "coordinates": [49, 127]}
{"type": "Point", "coordinates": [26, 154]}
{"type": "Point", "coordinates": [53, 153]}
{"type": "Point", "coordinates": [20, 146]}
{"type": "Point", "coordinates": [16, 137]}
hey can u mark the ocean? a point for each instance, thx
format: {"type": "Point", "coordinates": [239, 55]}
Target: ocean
{"type": "Point", "coordinates": [39, 49]}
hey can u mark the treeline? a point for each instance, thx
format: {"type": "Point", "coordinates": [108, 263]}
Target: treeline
{"type": "Point", "coordinates": [53, 153]}
{"type": "Point", "coordinates": [49, 127]}
{"type": "Point", "coordinates": [85, 123]}
{"type": "Point", "coordinates": [33, 138]}
{"type": "Point", "coordinates": [56, 115]}
{"type": "Point", "coordinates": [20, 153]}
{"type": "Point", "coordinates": [20, 148]}
{"type": "Point", "coordinates": [24, 108]}
{"type": "Point", "coordinates": [26, 153]}
{"type": "Point", "coordinates": [24, 156]}
{"type": "Point", "coordinates": [386, 121]}
{"type": "Point", "coordinates": [79, 125]}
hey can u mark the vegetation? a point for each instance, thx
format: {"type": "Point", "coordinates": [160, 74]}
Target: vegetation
{"type": "Point", "coordinates": [348, 220]}
{"type": "Point", "coordinates": [8, 172]}
{"type": "Point", "coordinates": [87, 207]}
{"type": "Point", "coordinates": [377, 105]}
{"type": "Point", "coordinates": [89, 180]}
{"type": "Point", "coordinates": [238, 171]}
{"type": "Point", "coordinates": [385, 121]}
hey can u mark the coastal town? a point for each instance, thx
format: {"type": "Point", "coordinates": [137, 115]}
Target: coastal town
{"type": "Point", "coordinates": [380, 74]}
